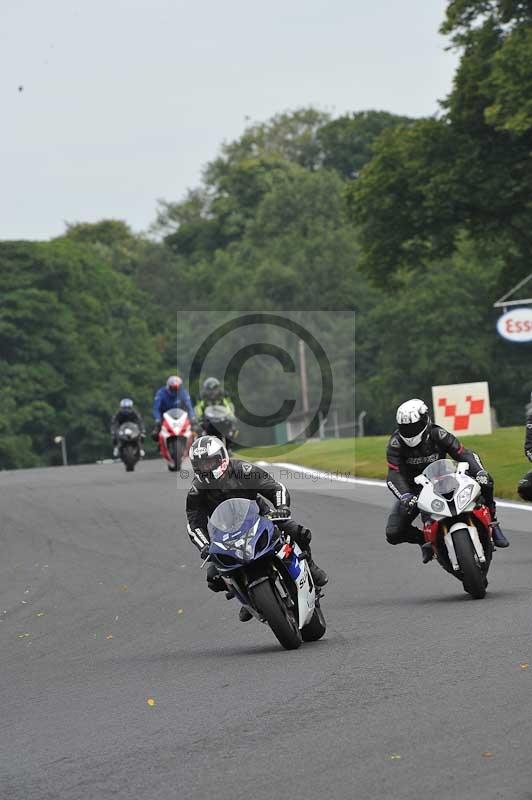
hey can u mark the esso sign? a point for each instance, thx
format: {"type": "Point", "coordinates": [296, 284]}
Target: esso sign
{"type": "Point", "coordinates": [516, 325]}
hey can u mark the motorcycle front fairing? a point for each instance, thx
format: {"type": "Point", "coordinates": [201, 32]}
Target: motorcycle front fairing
{"type": "Point", "coordinates": [220, 419]}
{"type": "Point", "coordinates": [129, 432]}
{"type": "Point", "coordinates": [247, 549]}
{"type": "Point", "coordinates": [175, 424]}
{"type": "Point", "coordinates": [449, 496]}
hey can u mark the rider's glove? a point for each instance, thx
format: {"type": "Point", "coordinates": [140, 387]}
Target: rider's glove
{"type": "Point", "coordinates": [529, 454]}
{"type": "Point", "coordinates": [204, 552]}
{"type": "Point", "coordinates": [281, 512]}
{"type": "Point", "coordinates": [195, 425]}
{"type": "Point", "coordinates": [408, 501]}
{"type": "Point", "coordinates": [156, 430]}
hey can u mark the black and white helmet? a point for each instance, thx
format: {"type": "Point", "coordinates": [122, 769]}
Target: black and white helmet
{"type": "Point", "coordinates": [209, 458]}
{"type": "Point", "coordinates": [413, 421]}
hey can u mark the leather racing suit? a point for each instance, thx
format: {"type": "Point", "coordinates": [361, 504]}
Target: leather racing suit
{"type": "Point", "coordinates": [405, 463]}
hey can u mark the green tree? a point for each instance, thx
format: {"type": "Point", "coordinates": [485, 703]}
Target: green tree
{"type": "Point", "coordinates": [468, 170]}
{"type": "Point", "coordinates": [347, 142]}
{"type": "Point", "coordinates": [72, 342]}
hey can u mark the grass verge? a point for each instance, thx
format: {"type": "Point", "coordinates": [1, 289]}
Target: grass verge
{"type": "Point", "coordinates": [501, 453]}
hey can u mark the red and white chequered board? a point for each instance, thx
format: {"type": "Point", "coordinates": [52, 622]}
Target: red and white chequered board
{"type": "Point", "coordinates": [462, 408]}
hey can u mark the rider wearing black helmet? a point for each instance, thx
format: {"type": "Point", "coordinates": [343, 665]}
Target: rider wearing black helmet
{"type": "Point", "coordinates": [524, 486]}
{"type": "Point", "coordinates": [213, 393]}
{"type": "Point", "coordinates": [218, 478]}
{"type": "Point", "coordinates": [414, 444]}
{"type": "Point", "coordinates": [126, 413]}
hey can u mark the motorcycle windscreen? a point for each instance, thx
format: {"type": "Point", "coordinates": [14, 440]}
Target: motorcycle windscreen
{"type": "Point", "coordinates": [175, 413]}
{"type": "Point", "coordinates": [442, 475]}
{"type": "Point", "coordinates": [233, 516]}
{"type": "Point", "coordinates": [217, 412]}
{"type": "Point", "coordinates": [129, 429]}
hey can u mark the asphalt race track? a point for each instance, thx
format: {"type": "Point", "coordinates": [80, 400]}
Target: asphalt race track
{"type": "Point", "coordinates": [416, 691]}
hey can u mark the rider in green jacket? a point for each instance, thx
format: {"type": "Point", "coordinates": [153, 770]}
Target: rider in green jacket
{"type": "Point", "coordinates": [213, 394]}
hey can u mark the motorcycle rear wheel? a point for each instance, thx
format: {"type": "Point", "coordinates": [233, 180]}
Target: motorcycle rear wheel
{"type": "Point", "coordinates": [279, 618]}
{"type": "Point", "coordinates": [473, 577]}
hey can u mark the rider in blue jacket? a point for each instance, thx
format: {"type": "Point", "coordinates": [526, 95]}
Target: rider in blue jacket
{"type": "Point", "coordinates": [173, 395]}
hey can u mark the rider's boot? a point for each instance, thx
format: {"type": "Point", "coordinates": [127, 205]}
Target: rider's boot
{"type": "Point", "coordinates": [319, 576]}
{"type": "Point", "coordinates": [427, 552]}
{"type": "Point", "coordinates": [115, 452]}
{"type": "Point", "coordinates": [499, 539]}
{"type": "Point", "coordinates": [244, 615]}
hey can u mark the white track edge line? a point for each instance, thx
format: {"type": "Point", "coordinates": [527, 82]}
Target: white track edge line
{"type": "Point", "coordinates": [317, 473]}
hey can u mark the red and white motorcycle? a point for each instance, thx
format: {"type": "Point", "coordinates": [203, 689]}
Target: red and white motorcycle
{"type": "Point", "coordinates": [175, 437]}
{"type": "Point", "coordinates": [456, 523]}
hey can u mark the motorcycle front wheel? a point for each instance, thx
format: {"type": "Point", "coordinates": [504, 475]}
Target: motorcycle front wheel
{"type": "Point", "coordinates": [473, 577]}
{"type": "Point", "coordinates": [176, 448]}
{"type": "Point", "coordinates": [128, 457]}
{"type": "Point", "coordinates": [277, 615]}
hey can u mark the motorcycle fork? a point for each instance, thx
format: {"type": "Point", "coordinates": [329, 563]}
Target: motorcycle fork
{"type": "Point", "coordinates": [281, 588]}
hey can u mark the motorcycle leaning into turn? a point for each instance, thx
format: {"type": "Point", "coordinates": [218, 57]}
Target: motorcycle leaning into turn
{"type": "Point", "coordinates": [266, 571]}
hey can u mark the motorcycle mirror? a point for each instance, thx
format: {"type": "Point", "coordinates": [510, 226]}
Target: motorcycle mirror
{"type": "Point", "coordinates": [420, 479]}
{"type": "Point", "coordinates": [463, 466]}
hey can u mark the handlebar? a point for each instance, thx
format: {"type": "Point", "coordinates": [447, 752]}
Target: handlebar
{"type": "Point", "coordinates": [274, 516]}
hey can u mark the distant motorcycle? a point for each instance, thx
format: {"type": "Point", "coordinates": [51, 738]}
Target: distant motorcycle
{"type": "Point", "coordinates": [175, 437]}
{"type": "Point", "coordinates": [456, 523]}
{"type": "Point", "coordinates": [129, 444]}
{"type": "Point", "coordinates": [266, 571]}
{"type": "Point", "coordinates": [219, 421]}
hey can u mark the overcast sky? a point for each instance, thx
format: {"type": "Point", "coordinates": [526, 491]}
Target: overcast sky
{"type": "Point", "coordinates": [108, 105]}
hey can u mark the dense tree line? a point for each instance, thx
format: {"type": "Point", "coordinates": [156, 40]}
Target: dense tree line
{"type": "Point", "coordinates": [417, 226]}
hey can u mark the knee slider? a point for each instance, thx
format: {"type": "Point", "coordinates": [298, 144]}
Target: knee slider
{"type": "Point", "coordinates": [393, 537]}
{"type": "Point", "coordinates": [524, 487]}
{"type": "Point", "coordinates": [393, 529]}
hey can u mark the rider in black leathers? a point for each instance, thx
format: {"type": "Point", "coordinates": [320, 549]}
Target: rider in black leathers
{"type": "Point", "coordinates": [524, 487]}
{"type": "Point", "coordinates": [216, 481]}
{"type": "Point", "coordinates": [406, 461]}
{"type": "Point", "coordinates": [126, 413]}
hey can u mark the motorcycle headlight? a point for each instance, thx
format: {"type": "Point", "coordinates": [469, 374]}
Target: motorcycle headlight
{"type": "Point", "coordinates": [464, 497]}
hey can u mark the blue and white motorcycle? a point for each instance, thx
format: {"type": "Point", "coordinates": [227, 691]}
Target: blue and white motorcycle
{"type": "Point", "coordinates": [266, 571]}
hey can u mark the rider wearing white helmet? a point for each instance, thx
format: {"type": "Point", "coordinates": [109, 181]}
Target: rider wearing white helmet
{"type": "Point", "coordinates": [414, 444]}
